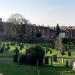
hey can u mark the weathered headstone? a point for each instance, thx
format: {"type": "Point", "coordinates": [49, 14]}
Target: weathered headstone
{"type": "Point", "coordinates": [55, 58]}
{"type": "Point", "coordinates": [21, 46]}
{"type": "Point", "coordinates": [66, 63]}
{"type": "Point", "coordinates": [69, 53]}
{"type": "Point", "coordinates": [50, 51]}
{"type": "Point", "coordinates": [12, 43]}
{"type": "Point", "coordinates": [7, 44]}
{"type": "Point", "coordinates": [1, 49]}
{"type": "Point", "coordinates": [47, 60]}
{"type": "Point", "coordinates": [62, 52]}
{"type": "Point", "coordinates": [17, 51]}
{"type": "Point", "coordinates": [15, 58]}
{"type": "Point", "coordinates": [73, 68]}
{"type": "Point", "coordinates": [71, 64]}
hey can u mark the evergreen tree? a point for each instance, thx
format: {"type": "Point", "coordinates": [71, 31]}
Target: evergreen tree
{"type": "Point", "coordinates": [57, 30]}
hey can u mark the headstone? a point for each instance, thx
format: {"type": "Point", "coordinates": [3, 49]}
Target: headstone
{"type": "Point", "coordinates": [50, 51]}
{"type": "Point", "coordinates": [12, 43]}
{"type": "Point", "coordinates": [3, 44]}
{"type": "Point", "coordinates": [47, 60]}
{"type": "Point", "coordinates": [55, 58]}
{"type": "Point", "coordinates": [17, 51]}
{"type": "Point", "coordinates": [15, 58]}
{"type": "Point", "coordinates": [73, 68]}
{"type": "Point", "coordinates": [71, 64]}
{"type": "Point", "coordinates": [66, 48]}
{"type": "Point", "coordinates": [21, 46]}
{"type": "Point", "coordinates": [69, 53]}
{"type": "Point", "coordinates": [7, 48]}
{"type": "Point", "coordinates": [1, 49]}
{"type": "Point", "coordinates": [52, 46]}
{"type": "Point", "coordinates": [62, 52]}
{"type": "Point", "coordinates": [7, 44]}
{"type": "Point", "coordinates": [66, 63]}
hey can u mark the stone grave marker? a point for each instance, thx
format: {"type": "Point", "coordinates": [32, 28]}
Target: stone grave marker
{"type": "Point", "coordinates": [46, 60]}
{"type": "Point", "coordinates": [69, 53]}
{"type": "Point", "coordinates": [71, 64]}
{"type": "Point", "coordinates": [15, 58]}
{"type": "Point", "coordinates": [55, 58]}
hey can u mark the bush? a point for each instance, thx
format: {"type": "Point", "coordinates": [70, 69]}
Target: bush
{"type": "Point", "coordinates": [32, 55]}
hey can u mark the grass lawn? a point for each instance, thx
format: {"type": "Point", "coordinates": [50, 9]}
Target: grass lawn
{"type": "Point", "coordinates": [9, 68]}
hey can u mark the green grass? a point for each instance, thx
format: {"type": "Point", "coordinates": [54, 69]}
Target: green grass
{"type": "Point", "coordinates": [54, 52]}
{"type": "Point", "coordinates": [9, 68]}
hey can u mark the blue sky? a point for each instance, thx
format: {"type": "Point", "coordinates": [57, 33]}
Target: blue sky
{"type": "Point", "coordinates": [47, 12]}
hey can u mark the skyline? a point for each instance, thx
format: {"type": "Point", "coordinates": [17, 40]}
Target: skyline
{"type": "Point", "coordinates": [47, 12]}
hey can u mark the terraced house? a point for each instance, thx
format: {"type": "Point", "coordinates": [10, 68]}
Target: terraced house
{"type": "Point", "coordinates": [33, 32]}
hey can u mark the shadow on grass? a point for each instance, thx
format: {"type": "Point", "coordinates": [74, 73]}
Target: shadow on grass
{"type": "Point", "coordinates": [56, 70]}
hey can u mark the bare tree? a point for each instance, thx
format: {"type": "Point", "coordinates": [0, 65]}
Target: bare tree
{"type": "Point", "coordinates": [17, 19]}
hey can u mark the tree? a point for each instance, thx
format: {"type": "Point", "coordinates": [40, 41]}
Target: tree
{"type": "Point", "coordinates": [21, 31]}
{"type": "Point", "coordinates": [58, 43]}
{"type": "Point", "coordinates": [20, 23]}
{"type": "Point", "coordinates": [17, 19]}
{"type": "Point", "coordinates": [57, 30]}
{"type": "Point", "coordinates": [33, 55]}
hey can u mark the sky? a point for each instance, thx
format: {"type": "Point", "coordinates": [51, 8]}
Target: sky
{"type": "Point", "coordinates": [43, 12]}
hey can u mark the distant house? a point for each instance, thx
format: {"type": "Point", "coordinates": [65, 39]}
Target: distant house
{"type": "Point", "coordinates": [34, 33]}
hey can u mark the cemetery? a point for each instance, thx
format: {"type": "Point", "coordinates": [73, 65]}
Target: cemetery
{"type": "Point", "coordinates": [55, 61]}
{"type": "Point", "coordinates": [42, 57]}
{"type": "Point", "coordinates": [37, 37]}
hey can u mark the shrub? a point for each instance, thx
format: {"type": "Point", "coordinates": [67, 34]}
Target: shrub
{"type": "Point", "coordinates": [32, 55]}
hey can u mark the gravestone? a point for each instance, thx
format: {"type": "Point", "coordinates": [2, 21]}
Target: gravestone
{"type": "Point", "coordinates": [62, 52]}
{"type": "Point", "coordinates": [50, 51]}
{"type": "Point", "coordinates": [46, 60]}
{"type": "Point", "coordinates": [15, 58]}
{"type": "Point", "coordinates": [73, 67]}
{"type": "Point", "coordinates": [21, 46]}
{"type": "Point", "coordinates": [1, 49]}
{"type": "Point", "coordinates": [16, 51]}
{"type": "Point", "coordinates": [55, 58]}
{"type": "Point", "coordinates": [67, 63]}
{"type": "Point", "coordinates": [12, 43]}
{"type": "Point", "coordinates": [3, 44]}
{"type": "Point", "coordinates": [69, 53]}
{"type": "Point", "coordinates": [7, 48]}
{"type": "Point", "coordinates": [71, 64]}
{"type": "Point", "coordinates": [7, 44]}
{"type": "Point", "coordinates": [66, 48]}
